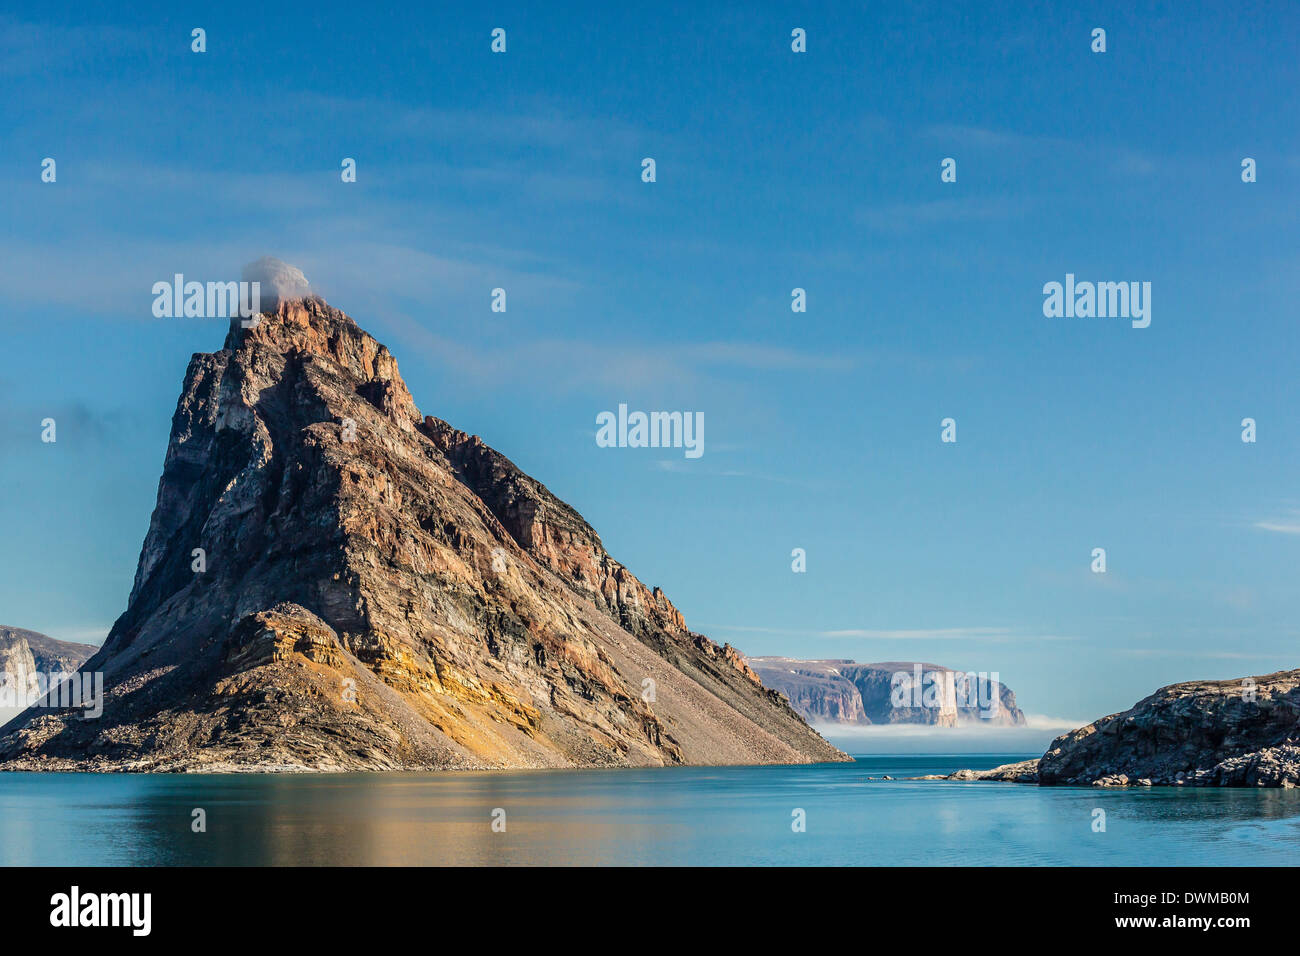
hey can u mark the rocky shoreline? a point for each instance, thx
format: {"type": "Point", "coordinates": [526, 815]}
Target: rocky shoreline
{"type": "Point", "coordinates": [1231, 733]}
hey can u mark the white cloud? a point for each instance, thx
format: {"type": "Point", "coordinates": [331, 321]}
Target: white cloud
{"type": "Point", "coordinates": [1286, 525]}
{"type": "Point", "coordinates": [994, 634]}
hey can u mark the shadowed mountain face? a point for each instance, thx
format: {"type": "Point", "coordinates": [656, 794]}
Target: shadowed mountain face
{"type": "Point", "coordinates": [845, 692]}
{"type": "Point", "coordinates": [333, 581]}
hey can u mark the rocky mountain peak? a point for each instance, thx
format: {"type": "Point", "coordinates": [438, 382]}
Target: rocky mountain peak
{"type": "Point", "coordinates": [331, 580]}
{"type": "Point", "coordinates": [298, 329]}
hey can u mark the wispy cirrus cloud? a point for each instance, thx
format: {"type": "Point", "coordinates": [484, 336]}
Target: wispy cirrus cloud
{"type": "Point", "coordinates": [1114, 157]}
{"type": "Point", "coordinates": [1181, 652]}
{"type": "Point", "coordinates": [992, 634]}
{"type": "Point", "coordinates": [1288, 523]}
{"type": "Point", "coordinates": [898, 217]}
{"type": "Point", "coordinates": [42, 48]}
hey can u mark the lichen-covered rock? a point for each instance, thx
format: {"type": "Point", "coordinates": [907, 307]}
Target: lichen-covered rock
{"type": "Point", "coordinates": [333, 581]}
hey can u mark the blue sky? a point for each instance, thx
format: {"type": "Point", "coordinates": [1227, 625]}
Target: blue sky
{"type": "Point", "coordinates": [775, 170]}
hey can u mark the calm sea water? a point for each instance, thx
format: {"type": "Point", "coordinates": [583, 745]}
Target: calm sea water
{"type": "Point", "coordinates": [697, 816]}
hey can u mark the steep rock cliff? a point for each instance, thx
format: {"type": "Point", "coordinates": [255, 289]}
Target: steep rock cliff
{"type": "Point", "coordinates": [845, 692]}
{"type": "Point", "coordinates": [331, 580]}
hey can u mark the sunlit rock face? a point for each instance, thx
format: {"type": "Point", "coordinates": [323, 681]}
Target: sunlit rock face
{"type": "Point", "coordinates": [332, 580]}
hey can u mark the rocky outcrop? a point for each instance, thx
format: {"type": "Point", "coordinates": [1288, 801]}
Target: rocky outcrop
{"type": "Point", "coordinates": [893, 692]}
{"type": "Point", "coordinates": [1026, 771]}
{"type": "Point", "coordinates": [1230, 733]}
{"type": "Point", "coordinates": [333, 581]}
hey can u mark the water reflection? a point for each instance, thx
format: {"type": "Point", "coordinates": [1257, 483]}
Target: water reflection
{"type": "Point", "coordinates": [700, 816]}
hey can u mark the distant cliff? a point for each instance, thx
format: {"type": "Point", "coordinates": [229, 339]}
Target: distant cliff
{"type": "Point", "coordinates": [26, 652]}
{"type": "Point", "coordinates": [17, 667]}
{"type": "Point", "coordinates": [26, 656]}
{"type": "Point", "coordinates": [892, 692]}
{"type": "Point", "coordinates": [48, 655]}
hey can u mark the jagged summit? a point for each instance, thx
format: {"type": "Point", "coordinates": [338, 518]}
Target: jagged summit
{"type": "Point", "coordinates": [331, 580]}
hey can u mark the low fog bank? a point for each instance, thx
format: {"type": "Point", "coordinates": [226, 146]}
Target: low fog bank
{"type": "Point", "coordinates": [967, 739]}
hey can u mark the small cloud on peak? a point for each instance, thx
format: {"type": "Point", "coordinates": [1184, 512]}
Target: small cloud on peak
{"type": "Point", "coordinates": [280, 282]}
